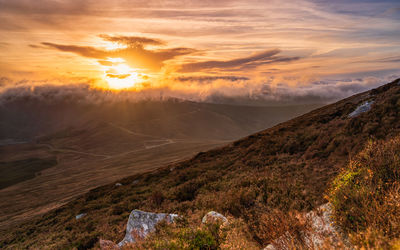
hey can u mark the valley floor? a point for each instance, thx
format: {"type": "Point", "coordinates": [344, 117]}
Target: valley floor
{"type": "Point", "coordinates": [77, 172]}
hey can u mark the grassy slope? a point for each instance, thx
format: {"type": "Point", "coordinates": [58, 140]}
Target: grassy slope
{"type": "Point", "coordinates": [365, 196]}
{"type": "Point", "coordinates": [285, 168]}
{"type": "Point", "coordinates": [22, 170]}
{"type": "Point", "coordinates": [101, 143]}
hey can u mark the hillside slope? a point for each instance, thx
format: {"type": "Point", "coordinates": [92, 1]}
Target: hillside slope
{"type": "Point", "coordinates": [256, 180]}
{"type": "Point", "coordinates": [27, 117]}
{"type": "Point", "coordinates": [54, 148]}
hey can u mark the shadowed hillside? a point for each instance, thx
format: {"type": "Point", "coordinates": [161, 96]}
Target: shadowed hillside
{"type": "Point", "coordinates": [256, 181]}
{"type": "Point", "coordinates": [28, 117]}
{"type": "Point", "coordinates": [55, 149]}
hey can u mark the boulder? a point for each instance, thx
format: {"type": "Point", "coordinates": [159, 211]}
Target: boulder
{"type": "Point", "coordinates": [79, 216]}
{"type": "Point", "coordinates": [322, 229]}
{"type": "Point", "coordinates": [213, 216]}
{"type": "Point", "coordinates": [140, 224]}
{"type": "Point", "coordinates": [365, 107]}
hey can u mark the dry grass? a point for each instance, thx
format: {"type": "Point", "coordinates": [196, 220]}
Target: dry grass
{"type": "Point", "coordinates": [366, 196]}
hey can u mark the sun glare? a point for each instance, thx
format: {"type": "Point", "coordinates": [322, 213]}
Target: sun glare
{"type": "Point", "coordinates": [119, 75]}
{"type": "Point", "coordinates": [115, 46]}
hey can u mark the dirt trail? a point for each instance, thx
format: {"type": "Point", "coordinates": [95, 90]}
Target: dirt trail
{"type": "Point", "coordinates": [62, 150]}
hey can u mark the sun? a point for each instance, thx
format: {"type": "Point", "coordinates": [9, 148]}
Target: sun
{"type": "Point", "coordinates": [120, 76]}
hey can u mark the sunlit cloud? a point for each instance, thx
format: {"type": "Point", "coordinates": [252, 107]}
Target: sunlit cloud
{"type": "Point", "coordinates": [135, 53]}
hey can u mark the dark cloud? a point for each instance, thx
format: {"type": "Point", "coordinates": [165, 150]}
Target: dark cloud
{"type": "Point", "coordinates": [35, 46]}
{"type": "Point", "coordinates": [390, 59]}
{"type": "Point", "coordinates": [266, 57]}
{"type": "Point", "coordinates": [135, 54]}
{"type": "Point", "coordinates": [202, 79]}
{"type": "Point", "coordinates": [42, 7]}
{"type": "Point", "coordinates": [85, 51]}
{"type": "Point", "coordinates": [105, 63]}
{"type": "Point", "coordinates": [132, 41]}
{"type": "Point", "coordinates": [118, 76]}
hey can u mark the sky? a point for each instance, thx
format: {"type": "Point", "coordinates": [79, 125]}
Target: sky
{"type": "Point", "coordinates": [298, 51]}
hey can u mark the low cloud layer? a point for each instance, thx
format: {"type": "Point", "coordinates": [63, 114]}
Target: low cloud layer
{"type": "Point", "coordinates": [223, 90]}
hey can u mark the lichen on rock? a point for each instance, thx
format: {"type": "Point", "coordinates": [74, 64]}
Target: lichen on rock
{"type": "Point", "coordinates": [141, 223]}
{"type": "Point", "coordinates": [213, 216]}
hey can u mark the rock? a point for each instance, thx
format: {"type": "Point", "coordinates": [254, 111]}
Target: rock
{"type": "Point", "coordinates": [118, 184]}
{"type": "Point", "coordinates": [79, 216]}
{"type": "Point", "coordinates": [213, 217]}
{"type": "Point", "coordinates": [322, 228]}
{"type": "Point", "coordinates": [108, 245]}
{"type": "Point", "coordinates": [365, 107]}
{"type": "Point", "coordinates": [322, 225]}
{"type": "Point", "coordinates": [135, 182]}
{"type": "Point", "coordinates": [140, 224]}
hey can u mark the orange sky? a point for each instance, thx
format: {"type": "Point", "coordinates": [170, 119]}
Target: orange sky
{"type": "Point", "coordinates": [199, 45]}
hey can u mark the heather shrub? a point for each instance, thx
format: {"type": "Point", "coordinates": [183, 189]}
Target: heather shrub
{"type": "Point", "coordinates": [366, 195]}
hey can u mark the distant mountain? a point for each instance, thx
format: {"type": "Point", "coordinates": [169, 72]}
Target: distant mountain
{"type": "Point", "coordinates": [258, 181]}
{"type": "Point", "coordinates": [29, 118]}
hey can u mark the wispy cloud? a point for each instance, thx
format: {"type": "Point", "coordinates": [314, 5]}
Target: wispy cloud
{"type": "Point", "coordinates": [265, 57]}
{"type": "Point", "coordinates": [133, 41]}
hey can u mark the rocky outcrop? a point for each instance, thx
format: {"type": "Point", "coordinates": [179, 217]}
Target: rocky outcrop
{"type": "Point", "coordinates": [214, 217]}
{"type": "Point", "coordinates": [365, 107]}
{"type": "Point", "coordinates": [322, 229]}
{"type": "Point", "coordinates": [79, 216]}
{"type": "Point", "coordinates": [140, 224]}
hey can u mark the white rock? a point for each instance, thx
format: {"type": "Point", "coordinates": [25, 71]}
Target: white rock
{"type": "Point", "coordinates": [322, 228]}
{"type": "Point", "coordinates": [140, 224]}
{"type": "Point", "coordinates": [118, 184]}
{"type": "Point", "coordinates": [79, 216]}
{"type": "Point", "coordinates": [365, 107]}
{"type": "Point", "coordinates": [214, 216]}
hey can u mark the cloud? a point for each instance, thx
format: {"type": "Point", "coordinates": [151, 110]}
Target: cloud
{"type": "Point", "coordinates": [266, 57]}
{"type": "Point", "coordinates": [85, 51]}
{"type": "Point", "coordinates": [202, 79]}
{"type": "Point", "coordinates": [45, 7]}
{"type": "Point", "coordinates": [270, 91]}
{"type": "Point", "coordinates": [135, 54]}
{"type": "Point", "coordinates": [118, 76]}
{"type": "Point", "coordinates": [132, 41]}
{"type": "Point", "coordinates": [105, 63]}
{"type": "Point", "coordinates": [390, 59]}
